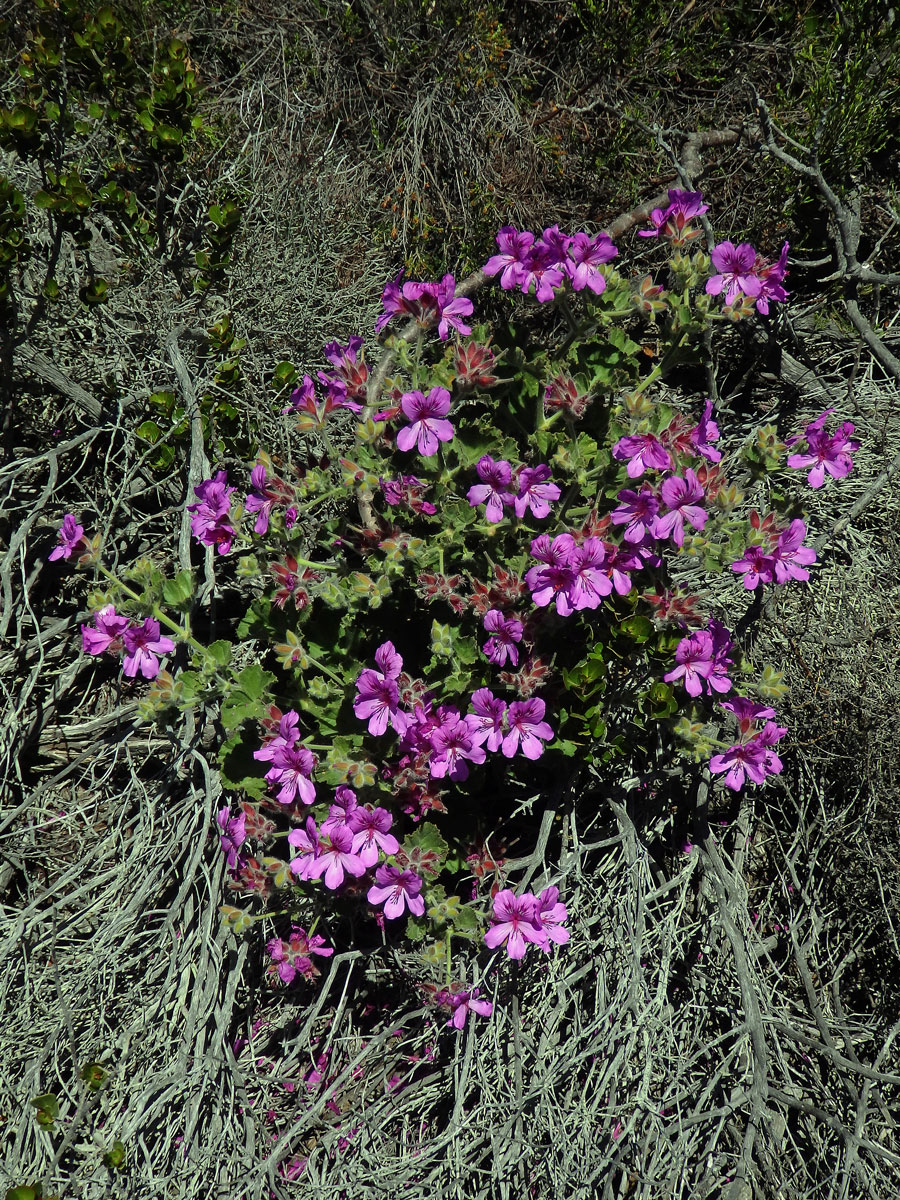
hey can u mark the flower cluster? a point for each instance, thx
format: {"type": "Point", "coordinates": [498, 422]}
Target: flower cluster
{"type": "Point", "coordinates": [519, 488]}
{"type": "Point", "coordinates": [428, 303]}
{"type": "Point", "coordinates": [704, 658]}
{"type": "Point", "coordinates": [824, 452]}
{"type": "Point", "coordinates": [752, 757]}
{"type": "Point", "coordinates": [674, 221]}
{"type": "Point", "coordinates": [549, 261]}
{"type": "Point", "coordinates": [71, 539]}
{"type": "Point", "coordinates": [141, 643]}
{"type": "Point", "coordinates": [639, 511]}
{"type": "Point", "coordinates": [578, 575]}
{"type": "Point", "coordinates": [292, 764]}
{"type": "Point", "coordinates": [742, 271]}
{"type": "Point", "coordinates": [527, 920]}
{"type": "Point", "coordinates": [293, 957]}
{"type": "Point", "coordinates": [786, 560]}
{"type": "Point", "coordinates": [210, 515]}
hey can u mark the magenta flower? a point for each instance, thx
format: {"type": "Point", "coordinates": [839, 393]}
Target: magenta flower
{"type": "Point", "coordinates": [233, 834]}
{"type": "Point", "coordinates": [551, 916]}
{"type": "Point", "coordinates": [756, 566]}
{"type": "Point", "coordinates": [515, 251]}
{"type": "Point", "coordinates": [590, 581]}
{"type": "Point", "coordinates": [288, 734]}
{"type": "Point", "coordinates": [644, 451]}
{"type": "Point", "coordinates": [586, 255]}
{"type": "Point", "coordinates": [694, 662]}
{"type": "Point", "coordinates": [352, 372]}
{"type": "Point", "coordinates": [535, 492]}
{"type": "Point", "coordinates": [636, 512]}
{"type": "Point", "coordinates": [453, 746]}
{"type": "Point", "coordinates": [673, 222]}
{"type": "Point", "coordinates": [291, 769]}
{"type": "Point", "coordinates": [397, 890]}
{"type": "Point", "coordinates": [370, 829]}
{"type": "Point", "coordinates": [771, 276]}
{"type": "Point", "coordinates": [744, 759]}
{"type": "Point", "coordinates": [790, 557]}
{"type": "Point", "coordinates": [429, 426]}
{"type": "Point", "coordinates": [488, 710]}
{"type": "Point", "coordinates": [527, 728]}
{"type": "Point", "coordinates": [680, 497]}
{"type": "Point", "coordinates": [496, 480]}
{"type": "Point", "coordinates": [735, 265]}
{"type": "Point", "coordinates": [506, 632]}
{"type": "Point", "coordinates": [335, 859]}
{"type": "Point", "coordinates": [556, 579]}
{"type": "Point", "coordinates": [377, 702]}
{"type": "Point", "coordinates": [461, 1003]}
{"type": "Point", "coordinates": [397, 301]}
{"type": "Point", "coordinates": [305, 840]}
{"type": "Point", "coordinates": [705, 432]}
{"type": "Point", "coordinates": [767, 737]}
{"type": "Point", "coordinates": [261, 499]}
{"type": "Point", "coordinates": [543, 265]}
{"type": "Point", "coordinates": [517, 923]}
{"type": "Point", "coordinates": [71, 539]}
{"type": "Point", "coordinates": [388, 661]}
{"type": "Point", "coordinates": [451, 308]}
{"type": "Point", "coordinates": [745, 710]}
{"type": "Point", "coordinates": [341, 812]}
{"type": "Point", "coordinates": [293, 957]}
{"type": "Point", "coordinates": [407, 490]}
{"type": "Point", "coordinates": [142, 644]}
{"type": "Point", "coordinates": [108, 632]}
{"type": "Point", "coordinates": [210, 521]}
{"type": "Point", "coordinates": [824, 453]}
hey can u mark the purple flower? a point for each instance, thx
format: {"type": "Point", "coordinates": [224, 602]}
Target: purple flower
{"type": "Point", "coordinates": [516, 922]}
{"type": "Point", "coordinates": [288, 733]}
{"type": "Point", "coordinates": [108, 632]}
{"type": "Point", "coordinates": [450, 308]}
{"type": "Point", "coordinates": [740, 760]}
{"type": "Point", "coordinates": [370, 829]}
{"type": "Point", "coordinates": [305, 841]}
{"type": "Point", "coordinates": [556, 578]}
{"type": "Point", "coordinates": [746, 710]}
{"type": "Point", "coordinates": [534, 491]}
{"type": "Point", "coordinates": [340, 813]}
{"type": "Point", "coordinates": [397, 890]}
{"type": "Point", "coordinates": [636, 512]}
{"type": "Point", "coordinates": [293, 957]}
{"type": "Point", "coordinates": [407, 490]}
{"type": "Point", "coordinates": [586, 255]}
{"type": "Point", "coordinates": [790, 556]}
{"type": "Point", "coordinates": [388, 661]}
{"type": "Point", "coordinates": [506, 631]}
{"type": "Point", "coordinates": [771, 276]}
{"type": "Point", "coordinates": [261, 499]}
{"type": "Point", "coordinates": [673, 222]}
{"type": "Point", "coordinates": [496, 479]}
{"type": "Point", "coordinates": [429, 426]}
{"type": "Point", "coordinates": [735, 265]}
{"type": "Point", "coordinates": [335, 858]}
{"type": "Point", "coordinates": [488, 710]}
{"type": "Point", "coordinates": [71, 539]}
{"type": "Point", "coordinates": [395, 301]}
{"type": "Point", "coordinates": [705, 432]}
{"type": "Point", "coordinates": [644, 451]}
{"type": "Point", "coordinates": [680, 497]}
{"type": "Point", "coordinates": [209, 523]}
{"type": "Point", "coordinates": [377, 702]}
{"type": "Point", "coordinates": [142, 644]}
{"type": "Point", "coordinates": [514, 254]}
{"type": "Point", "coordinates": [291, 769]}
{"type": "Point", "coordinates": [590, 581]}
{"type": "Point", "coordinates": [693, 658]}
{"type": "Point", "coordinates": [527, 728]}
{"type": "Point", "coordinates": [233, 834]}
{"type": "Point", "coordinates": [542, 267]}
{"type": "Point", "coordinates": [824, 453]}
{"type": "Point", "coordinates": [453, 745]}
{"type": "Point", "coordinates": [756, 566]}
{"type": "Point", "coordinates": [551, 915]}
{"type": "Point", "coordinates": [461, 1004]}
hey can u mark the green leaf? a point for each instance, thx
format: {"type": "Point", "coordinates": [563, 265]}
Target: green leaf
{"type": "Point", "coordinates": [94, 1075]}
{"type": "Point", "coordinates": [254, 680]}
{"type": "Point", "coordinates": [466, 918]}
{"type": "Point", "coordinates": [637, 627]}
{"type": "Point", "coordinates": [192, 685]}
{"type": "Point", "coordinates": [24, 1192]}
{"type": "Point", "coordinates": [47, 1109]}
{"type": "Point", "coordinates": [415, 930]}
{"type": "Point", "coordinates": [220, 652]}
{"type": "Point", "coordinates": [115, 1156]}
{"type": "Point", "coordinates": [180, 589]}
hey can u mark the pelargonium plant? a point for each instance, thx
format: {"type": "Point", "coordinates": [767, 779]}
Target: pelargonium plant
{"type": "Point", "coordinates": [508, 589]}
